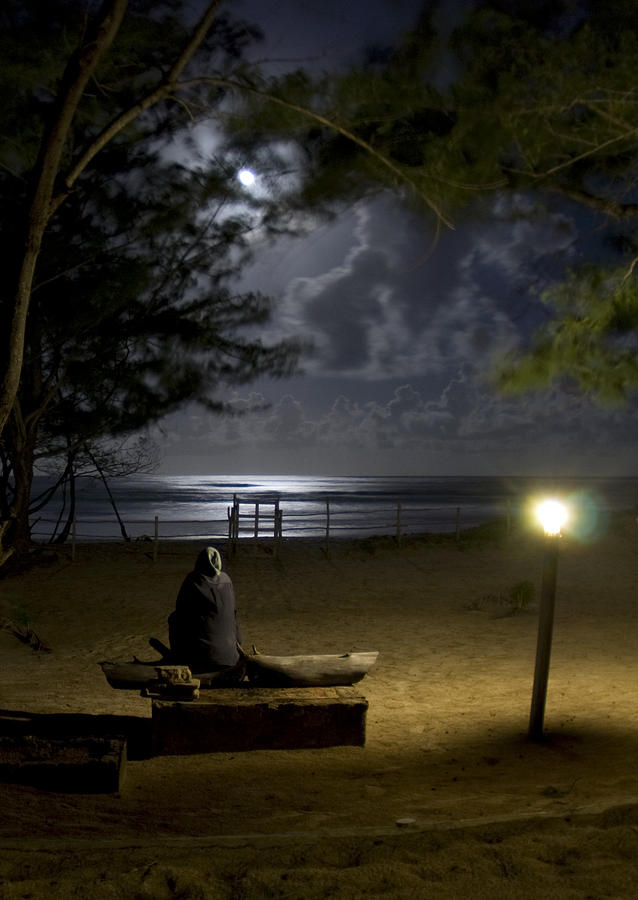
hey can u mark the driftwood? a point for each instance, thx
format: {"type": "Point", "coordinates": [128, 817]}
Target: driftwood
{"type": "Point", "coordinates": [25, 634]}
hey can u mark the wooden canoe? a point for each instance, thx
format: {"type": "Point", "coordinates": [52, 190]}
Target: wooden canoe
{"type": "Point", "coordinates": [309, 670]}
{"type": "Point", "coordinates": [137, 675]}
{"type": "Point", "coordinates": [129, 675]}
{"type": "Point", "coordinates": [261, 669]}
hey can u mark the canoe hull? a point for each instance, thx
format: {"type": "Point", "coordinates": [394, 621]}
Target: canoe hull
{"type": "Point", "coordinates": [266, 671]}
{"type": "Point", "coordinates": [128, 675]}
{"type": "Point", "coordinates": [309, 671]}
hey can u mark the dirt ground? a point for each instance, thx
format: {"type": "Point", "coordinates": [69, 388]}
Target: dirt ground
{"type": "Point", "coordinates": [448, 796]}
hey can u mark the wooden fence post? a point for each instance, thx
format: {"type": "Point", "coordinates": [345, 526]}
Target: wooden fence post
{"type": "Point", "coordinates": [73, 536]}
{"type": "Point", "coordinates": [278, 528]}
{"type": "Point", "coordinates": [399, 523]}
{"type": "Point", "coordinates": [327, 526]}
{"type": "Point", "coordinates": [155, 542]}
{"type": "Point", "coordinates": [458, 522]}
{"type": "Point", "coordinates": [233, 528]}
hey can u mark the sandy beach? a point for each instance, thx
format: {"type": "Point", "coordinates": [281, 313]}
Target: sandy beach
{"type": "Point", "coordinates": [448, 796]}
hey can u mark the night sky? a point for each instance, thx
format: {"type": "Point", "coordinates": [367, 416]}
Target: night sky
{"type": "Point", "coordinates": [404, 331]}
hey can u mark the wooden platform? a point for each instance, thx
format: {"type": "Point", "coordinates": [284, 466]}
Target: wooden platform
{"type": "Point", "coordinates": [71, 764]}
{"type": "Point", "coordinates": [236, 719]}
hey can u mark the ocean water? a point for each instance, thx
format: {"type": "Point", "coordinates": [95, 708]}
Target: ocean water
{"type": "Point", "coordinates": [197, 506]}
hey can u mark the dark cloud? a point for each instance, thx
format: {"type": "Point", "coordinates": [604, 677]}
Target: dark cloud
{"type": "Point", "coordinates": [392, 306]}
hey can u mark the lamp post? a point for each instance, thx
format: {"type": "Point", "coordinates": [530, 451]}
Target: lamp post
{"type": "Point", "coordinates": [552, 515]}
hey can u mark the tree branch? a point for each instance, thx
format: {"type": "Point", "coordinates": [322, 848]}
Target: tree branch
{"type": "Point", "coordinates": [632, 132]}
{"type": "Point", "coordinates": [164, 89]}
{"type": "Point", "coordinates": [385, 161]}
{"type": "Point", "coordinates": [602, 204]}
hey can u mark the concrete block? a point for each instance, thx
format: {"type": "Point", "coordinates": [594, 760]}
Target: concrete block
{"type": "Point", "coordinates": [236, 719]}
{"type": "Point", "coordinates": [86, 765]}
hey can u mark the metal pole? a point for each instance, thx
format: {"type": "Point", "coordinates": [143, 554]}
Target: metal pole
{"type": "Point", "coordinates": [544, 641]}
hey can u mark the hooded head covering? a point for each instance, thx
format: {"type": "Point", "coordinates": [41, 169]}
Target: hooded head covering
{"type": "Point", "coordinates": [209, 562]}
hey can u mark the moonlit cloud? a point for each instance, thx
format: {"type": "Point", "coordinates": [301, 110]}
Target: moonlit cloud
{"type": "Point", "coordinates": [465, 422]}
{"type": "Point", "coordinates": [404, 341]}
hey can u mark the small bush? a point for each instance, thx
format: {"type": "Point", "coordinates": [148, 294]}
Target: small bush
{"type": "Point", "coordinates": [519, 597]}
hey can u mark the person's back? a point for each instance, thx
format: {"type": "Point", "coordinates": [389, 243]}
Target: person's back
{"type": "Point", "coordinates": [203, 628]}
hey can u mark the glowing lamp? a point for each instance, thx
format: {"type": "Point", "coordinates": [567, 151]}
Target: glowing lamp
{"type": "Point", "coordinates": [552, 515]}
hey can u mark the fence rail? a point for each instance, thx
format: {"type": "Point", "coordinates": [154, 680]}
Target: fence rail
{"type": "Point", "coordinates": [327, 521]}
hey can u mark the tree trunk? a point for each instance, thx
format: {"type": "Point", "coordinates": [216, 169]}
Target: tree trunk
{"type": "Point", "coordinates": [70, 518]}
{"type": "Point", "coordinates": [80, 68]}
{"type": "Point", "coordinates": [49, 188]}
{"type": "Point", "coordinates": [100, 472]}
{"type": "Point", "coordinates": [15, 529]}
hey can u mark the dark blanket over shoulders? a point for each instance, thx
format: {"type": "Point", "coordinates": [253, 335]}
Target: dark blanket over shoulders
{"type": "Point", "coordinates": [203, 628]}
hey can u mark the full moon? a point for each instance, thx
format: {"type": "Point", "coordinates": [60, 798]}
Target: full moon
{"type": "Point", "coordinates": [246, 177]}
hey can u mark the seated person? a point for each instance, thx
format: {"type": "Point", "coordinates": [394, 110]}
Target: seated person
{"type": "Point", "coordinates": [203, 630]}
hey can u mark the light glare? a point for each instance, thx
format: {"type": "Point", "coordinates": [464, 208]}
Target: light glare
{"type": "Point", "coordinates": [552, 515]}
